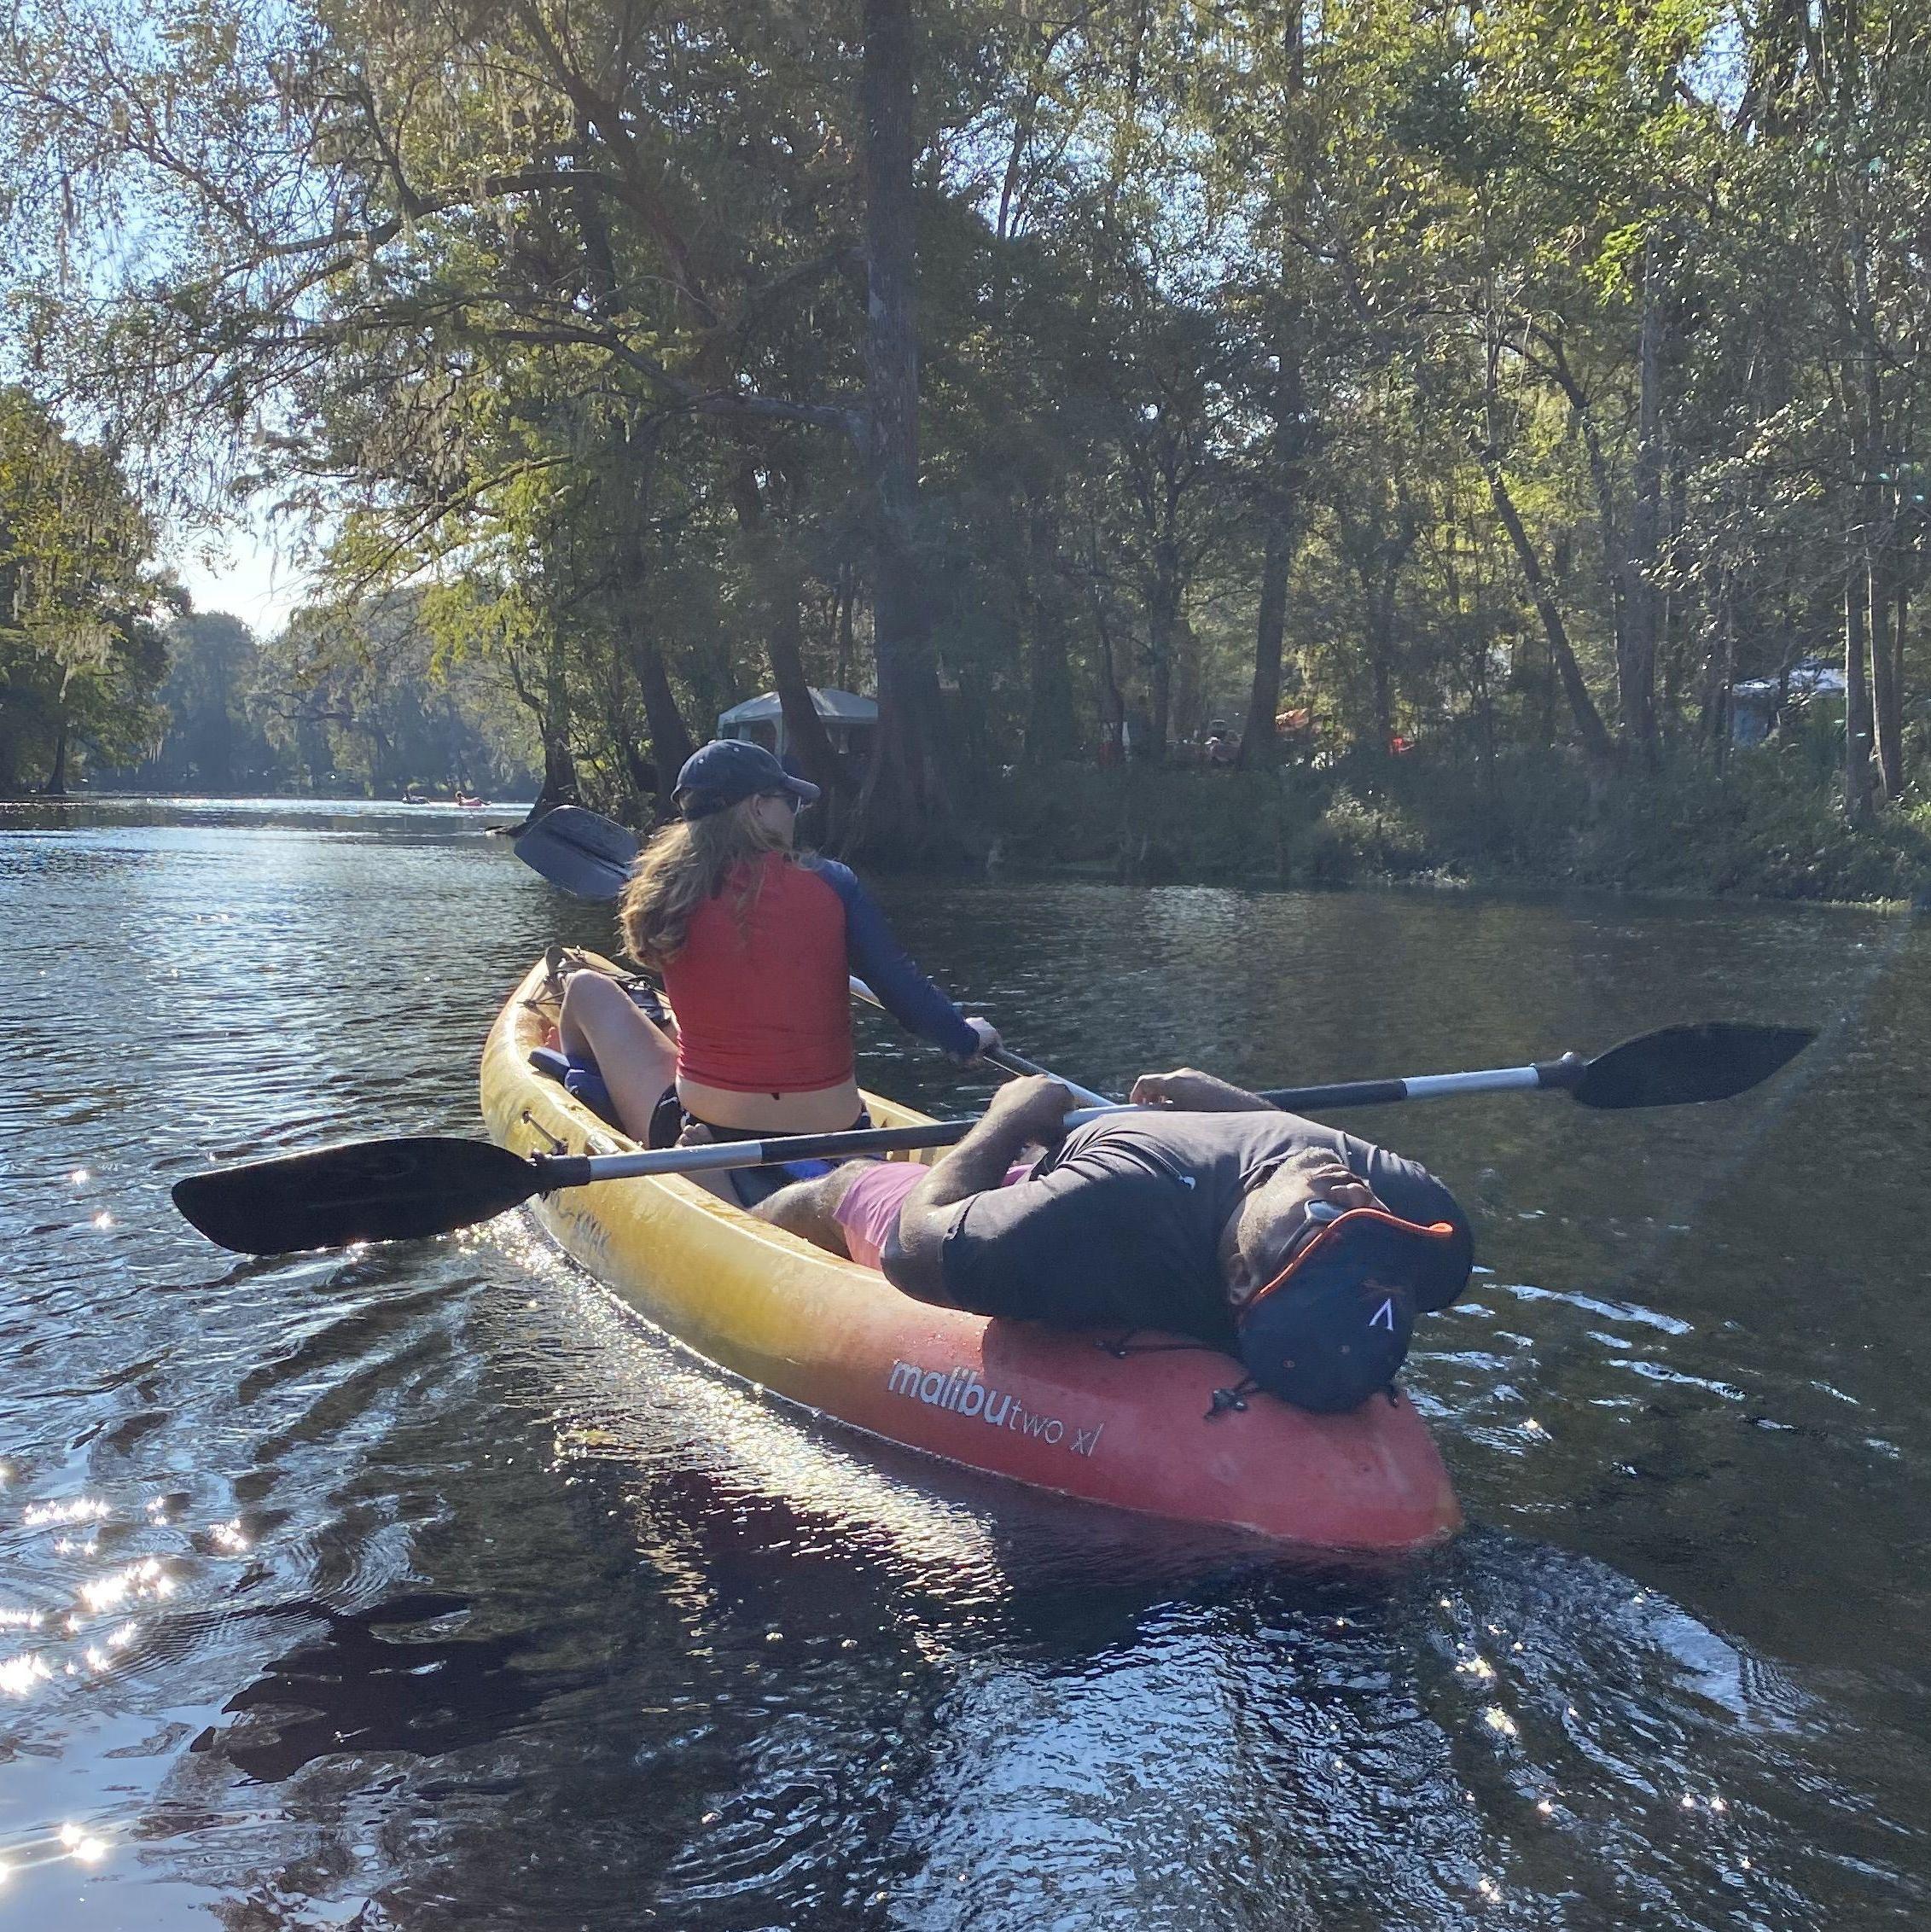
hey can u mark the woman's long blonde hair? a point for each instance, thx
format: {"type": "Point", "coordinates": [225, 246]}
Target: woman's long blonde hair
{"type": "Point", "coordinates": [689, 861]}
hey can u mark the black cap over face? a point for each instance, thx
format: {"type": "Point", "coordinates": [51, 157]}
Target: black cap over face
{"type": "Point", "coordinates": [727, 770]}
{"type": "Point", "coordinates": [1334, 1326]}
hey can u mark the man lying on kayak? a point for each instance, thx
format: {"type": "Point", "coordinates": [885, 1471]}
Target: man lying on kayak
{"type": "Point", "coordinates": [1305, 1251]}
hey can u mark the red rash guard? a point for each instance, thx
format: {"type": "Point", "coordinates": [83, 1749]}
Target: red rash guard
{"type": "Point", "coordinates": [763, 999]}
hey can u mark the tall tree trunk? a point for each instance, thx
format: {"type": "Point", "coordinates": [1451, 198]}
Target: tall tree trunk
{"type": "Point", "coordinates": [1188, 672]}
{"type": "Point", "coordinates": [1718, 702]}
{"type": "Point", "coordinates": [805, 731]}
{"type": "Point", "coordinates": [1049, 728]}
{"type": "Point", "coordinates": [1381, 652]}
{"type": "Point", "coordinates": [1635, 666]}
{"type": "Point", "coordinates": [1163, 615]}
{"type": "Point", "coordinates": [56, 785]}
{"type": "Point", "coordinates": [1882, 523]}
{"type": "Point", "coordinates": [1589, 721]}
{"type": "Point", "coordinates": [1864, 627]}
{"type": "Point", "coordinates": [1615, 551]}
{"type": "Point", "coordinates": [636, 639]}
{"type": "Point", "coordinates": [559, 767]}
{"type": "Point", "coordinates": [1260, 745]}
{"type": "Point", "coordinates": [1673, 661]}
{"type": "Point", "coordinates": [1898, 628]}
{"type": "Point", "coordinates": [847, 595]}
{"type": "Point", "coordinates": [1889, 608]}
{"type": "Point", "coordinates": [907, 802]}
{"type": "Point", "coordinates": [781, 597]}
{"type": "Point", "coordinates": [1113, 700]}
{"type": "Point", "coordinates": [670, 738]}
{"type": "Point", "coordinates": [1857, 693]}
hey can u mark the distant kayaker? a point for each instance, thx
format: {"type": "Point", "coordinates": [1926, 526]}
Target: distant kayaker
{"type": "Point", "coordinates": [1305, 1251]}
{"type": "Point", "coordinates": [756, 943]}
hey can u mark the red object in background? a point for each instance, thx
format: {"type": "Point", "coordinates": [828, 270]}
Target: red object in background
{"type": "Point", "coordinates": [1294, 728]}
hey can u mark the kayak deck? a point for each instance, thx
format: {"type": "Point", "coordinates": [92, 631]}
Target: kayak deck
{"type": "Point", "coordinates": [1059, 1411]}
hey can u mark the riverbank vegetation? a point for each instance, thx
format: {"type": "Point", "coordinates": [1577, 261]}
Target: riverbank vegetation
{"type": "Point", "coordinates": [81, 650]}
{"type": "Point", "coordinates": [1494, 417]}
{"type": "Point", "coordinates": [369, 710]}
{"type": "Point", "coordinates": [1773, 827]}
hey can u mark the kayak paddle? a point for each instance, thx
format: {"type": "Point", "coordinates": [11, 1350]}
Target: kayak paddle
{"type": "Point", "coordinates": [1672, 1066]}
{"type": "Point", "coordinates": [591, 857]}
{"type": "Point", "coordinates": [404, 1189]}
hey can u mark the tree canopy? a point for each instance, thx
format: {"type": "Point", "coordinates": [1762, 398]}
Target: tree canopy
{"type": "Point", "coordinates": [1473, 378]}
{"type": "Point", "coordinates": [80, 651]}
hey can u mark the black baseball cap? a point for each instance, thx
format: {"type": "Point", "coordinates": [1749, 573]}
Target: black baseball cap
{"type": "Point", "coordinates": [727, 770]}
{"type": "Point", "coordinates": [1333, 1327]}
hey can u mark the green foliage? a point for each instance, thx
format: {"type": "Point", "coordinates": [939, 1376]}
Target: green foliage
{"type": "Point", "coordinates": [1770, 827]}
{"type": "Point", "coordinates": [208, 742]}
{"type": "Point", "coordinates": [368, 699]}
{"type": "Point", "coordinates": [81, 656]}
{"type": "Point", "coordinates": [1510, 380]}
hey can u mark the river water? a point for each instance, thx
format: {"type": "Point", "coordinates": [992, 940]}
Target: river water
{"type": "Point", "coordinates": [426, 1588]}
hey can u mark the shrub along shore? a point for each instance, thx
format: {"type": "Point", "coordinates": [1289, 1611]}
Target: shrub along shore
{"type": "Point", "coordinates": [1771, 826]}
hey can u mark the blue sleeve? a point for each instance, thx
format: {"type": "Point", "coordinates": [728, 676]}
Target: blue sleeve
{"type": "Point", "coordinates": [876, 956]}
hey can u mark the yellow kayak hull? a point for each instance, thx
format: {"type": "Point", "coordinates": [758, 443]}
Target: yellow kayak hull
{"type": "Point", "coordinates": [1055, 1411]}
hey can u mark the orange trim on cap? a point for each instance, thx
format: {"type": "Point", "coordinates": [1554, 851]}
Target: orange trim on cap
{"type": "Point", "coordinates": [1324, 1232]}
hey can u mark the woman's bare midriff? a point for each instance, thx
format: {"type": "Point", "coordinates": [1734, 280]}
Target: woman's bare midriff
{"type": "Point", "coordinates": [827, 1110]}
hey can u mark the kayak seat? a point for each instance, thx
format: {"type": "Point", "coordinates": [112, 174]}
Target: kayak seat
{"type": "Point", "coordinates": [578, 1077]}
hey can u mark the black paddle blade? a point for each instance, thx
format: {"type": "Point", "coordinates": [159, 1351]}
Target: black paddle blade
{"type": "Point", "coordinates": [369, 1190]}
{"type": "Point", "coordinates": [1676, 1065]}
{"type": "Point", "coordinates": [581, 851]}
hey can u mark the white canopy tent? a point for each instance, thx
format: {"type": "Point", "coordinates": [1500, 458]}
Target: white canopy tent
{"type": "Point", "coordinates": [1754, 706]}
{"type": "Point", "coordinates": [848, 719]}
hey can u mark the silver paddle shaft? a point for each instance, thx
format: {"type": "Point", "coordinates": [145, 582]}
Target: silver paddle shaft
{"type": "Point", "coordinates": [565, 1170]}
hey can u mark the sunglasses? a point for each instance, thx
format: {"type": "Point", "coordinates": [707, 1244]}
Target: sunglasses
{"type": "Point", "coordinates": [791, 799]}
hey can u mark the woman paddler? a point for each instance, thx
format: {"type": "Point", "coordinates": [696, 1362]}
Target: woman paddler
{"type": "Point", "coordinates": [756, 943]}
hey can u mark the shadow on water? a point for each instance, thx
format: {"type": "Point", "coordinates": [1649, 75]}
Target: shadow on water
{"type": "Point", "coordinates": [374, 1684]}
{"type": "Point", "coordinates": [425, 1587]}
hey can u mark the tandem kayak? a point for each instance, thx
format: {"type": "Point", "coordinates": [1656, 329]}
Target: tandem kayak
{"type": "Point", "coordinates": [1055, 1411]}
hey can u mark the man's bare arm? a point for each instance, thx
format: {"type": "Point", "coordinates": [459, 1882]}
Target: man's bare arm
{"type": "Point", "coordinates": [1188, 1091]}
{"type": "Point", "coordinates": [1027, 1112]}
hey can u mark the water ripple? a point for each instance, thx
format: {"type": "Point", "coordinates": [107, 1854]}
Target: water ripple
{"type": "Point", "coordinates": [426, 1587]}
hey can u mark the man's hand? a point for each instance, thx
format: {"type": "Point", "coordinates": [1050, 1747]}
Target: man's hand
{"type": "Point", "coordinates": [1034, 1107]}
{"type": "Point", "coordinates": [1187, 1089]}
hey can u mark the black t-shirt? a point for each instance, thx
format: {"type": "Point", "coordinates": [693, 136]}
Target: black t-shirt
{"type": "Point", "coordinates": [1122, 1224]}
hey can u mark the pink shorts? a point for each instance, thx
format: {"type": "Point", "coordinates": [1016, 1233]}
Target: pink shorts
{"type": "Point", "coordinates": [870, 1210]}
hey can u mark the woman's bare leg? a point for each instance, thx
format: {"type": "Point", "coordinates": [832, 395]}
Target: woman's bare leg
{"type": "Point", "coordinates": [637, 1061]}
